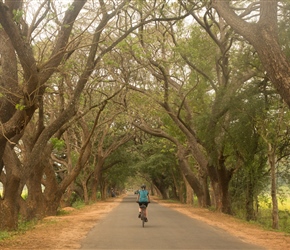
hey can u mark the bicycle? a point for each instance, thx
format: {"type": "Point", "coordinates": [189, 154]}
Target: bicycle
{"type": "Point", "coordinates": [143, 218]}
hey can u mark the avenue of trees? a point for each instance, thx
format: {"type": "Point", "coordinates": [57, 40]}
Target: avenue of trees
{"type": "Point", "coordinates": [191, 97]}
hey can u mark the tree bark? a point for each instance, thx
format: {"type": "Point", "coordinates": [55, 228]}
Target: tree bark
{"type": "Point", "coordinates": [86, 193]}
{"type": "Point", "coordinates": [9, 207]}
{"type": "Point", "coordinates": [220, 178]}
{"type": "Point", "coordinates": [189, 193]}
{"type": "Point", "coordinates": [97, 176]}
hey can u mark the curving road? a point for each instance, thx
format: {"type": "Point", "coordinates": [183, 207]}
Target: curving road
{"type": "Point", "coordinates": [166, 229]}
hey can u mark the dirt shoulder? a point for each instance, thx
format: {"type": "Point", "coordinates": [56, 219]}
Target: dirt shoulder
{"type": "Point", "coordinates": [66, 231]}
{"type": "Point", "coordinates": [61, 232]}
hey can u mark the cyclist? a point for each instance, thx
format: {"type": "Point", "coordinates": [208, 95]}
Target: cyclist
{"type": "Point", "coordinates": [143, 198]}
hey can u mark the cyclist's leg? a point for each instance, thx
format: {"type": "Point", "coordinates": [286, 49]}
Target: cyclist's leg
{"type": "Point", "coordinates": [139, 209]}
{"type": "Point", "coordinates": [146, 210]}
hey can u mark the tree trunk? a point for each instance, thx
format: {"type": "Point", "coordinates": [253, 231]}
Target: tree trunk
{"type": "Point", "coordinates": [199, 185]}
{"type": "Point", "coordinates": [182, 191]}
{"type": "Point", "coordinates": [189, 193]}
{"type": "Point", "coordinates": [174, 193]}
{"type": "Point", "coordinates": [94, 189]}
{"type": "Point", "coordinates": [175, 187]}
{"type": "Point", "coordinates": [66, 197]}
{"type": "Point", "coordinates": [85, 190]}
{"type": "Point", "coordinates": [225, 176]}
{"type": "Point", "coordinates": [275, 210]}
{"type": "Point", "coordinates": [42, 200]}
{"type": "Point", "coordinates": [52, 205]}
{"type": "Point", "coordinates": [104, 190]}
{"type": "Point", "coordinates": [221, 195]}
{"type": "Point", "coordinates": [96, 180]}
{"type": "Point", "coordinates": [250, 212]}
{"type": "Point", "coordinates": [221, 190]}
{"type": "Point", "coordinates": [8, 205]}
{"type": "Point", "coordinates": [220, 178]}
{"type": "Point", "coordinates": [35, 204]}
{"type": "Point", "coordinates": [163, 191]}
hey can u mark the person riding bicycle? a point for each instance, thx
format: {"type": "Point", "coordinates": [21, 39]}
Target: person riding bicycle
{"type": "Point", "coordinates": [143, 198]}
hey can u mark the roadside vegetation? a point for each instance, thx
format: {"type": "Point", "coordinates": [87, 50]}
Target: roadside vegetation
{"type": "Point", "coordinates": [190, 97]}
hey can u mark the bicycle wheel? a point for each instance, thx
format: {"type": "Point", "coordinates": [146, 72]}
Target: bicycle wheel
{"type": "Point", "coordinates": [143, 217]}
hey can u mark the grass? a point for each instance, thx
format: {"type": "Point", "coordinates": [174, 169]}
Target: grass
{"type": "Point", "coordinates": [264, 214]}
{"type": "Point", "coordinates": [4, 235]}
{"type": "Point", "coordinates": [23, 226]}
{"type": "Point", "coordinates": [61, 212]}
{"type": "Point", "coordinates": [264, 218]}
{"type": "Point", "coordinates": [171, 201]}
{"type": "Point", "coordinates": [78, 204]}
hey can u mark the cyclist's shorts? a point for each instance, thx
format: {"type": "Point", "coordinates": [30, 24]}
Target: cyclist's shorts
{"type": "Point", "coordinates": [143, 203]}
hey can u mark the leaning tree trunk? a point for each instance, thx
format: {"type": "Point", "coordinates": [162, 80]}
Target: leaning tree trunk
{"type": "Point", "coordinates": [66, 197]}
{"type": "Point", "coordinates": [198, 184]}
{"type": "Point", "coordinates": [189, 193]}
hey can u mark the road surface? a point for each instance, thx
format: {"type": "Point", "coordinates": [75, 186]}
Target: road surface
{"type": "Point", "coordinates": [165, 229]}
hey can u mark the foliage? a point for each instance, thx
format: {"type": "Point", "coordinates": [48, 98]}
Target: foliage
{"type": "Point", "coordinates": [58, 144]}
{"type": "Point", "coordinates": [185, 66]}
{"type": "Point", "coordinates": [78, 204]}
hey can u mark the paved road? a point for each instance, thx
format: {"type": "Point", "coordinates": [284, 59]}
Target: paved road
{"type": "Point", "coordinates": [166, 229]}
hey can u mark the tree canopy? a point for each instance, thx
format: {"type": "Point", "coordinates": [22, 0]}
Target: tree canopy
{"type": "Point", "coordinates": [191, 97]}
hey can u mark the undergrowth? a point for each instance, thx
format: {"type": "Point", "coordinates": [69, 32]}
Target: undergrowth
{"type": "Point", "coordinates": [78, 204]}
{"type": "Point", "coordinates": [23, 226]}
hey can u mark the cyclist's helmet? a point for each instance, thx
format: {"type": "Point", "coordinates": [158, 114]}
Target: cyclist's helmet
{"type": "Point", "coordinates": [143, 186]}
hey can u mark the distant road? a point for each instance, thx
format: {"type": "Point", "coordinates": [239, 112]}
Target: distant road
{"type": "Point", "coordinates": [166, 229]}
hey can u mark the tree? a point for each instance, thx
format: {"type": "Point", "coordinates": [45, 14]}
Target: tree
{"type": "Point", "coordinates": [258, 22]}
{"type": "Point", "coordinates": [110, 137]}
{"type": "Point", "coordinates": [159, 165]}
{"type": "Point", "coordinates": [45, 48]}
{"type": "Point", "coordinates": [197, 95]}
{"type": "Point", "coordinates": [247, 150]}
{"type": "Point", "coordinates": [275, 135]}
{"type": "Point", "coordinates": [20, 101]}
